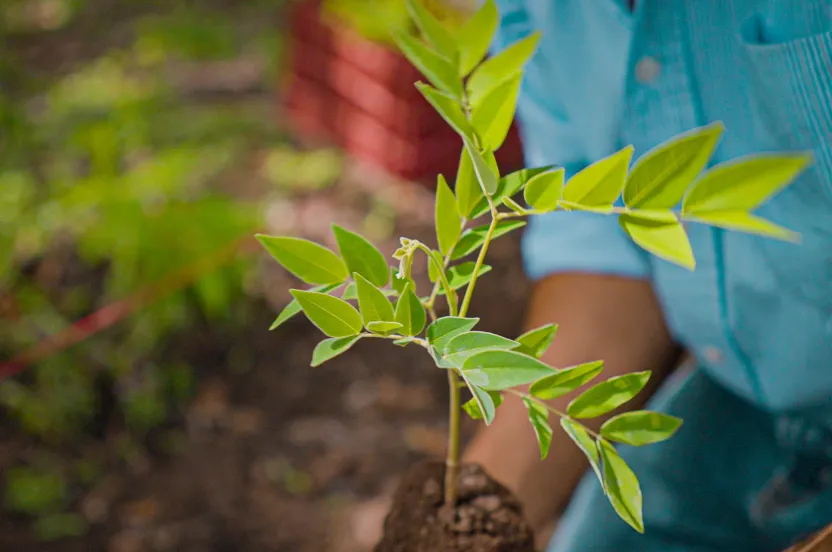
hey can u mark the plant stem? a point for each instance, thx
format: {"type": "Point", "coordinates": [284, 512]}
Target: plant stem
{"type": "Point", "coordinates": [469, 292]}
{"type": "Point", "coordinates": [452, 459]}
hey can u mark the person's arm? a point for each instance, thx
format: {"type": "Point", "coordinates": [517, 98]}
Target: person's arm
{"type": "Point", "coordinates": [602, 317]}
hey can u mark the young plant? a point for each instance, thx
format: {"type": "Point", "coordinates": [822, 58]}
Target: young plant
{"type": "Point", "coordinates": [478, 99]}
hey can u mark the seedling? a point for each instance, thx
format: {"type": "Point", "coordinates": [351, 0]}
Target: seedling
{"type": "Point", "coordinates": [652, 198]}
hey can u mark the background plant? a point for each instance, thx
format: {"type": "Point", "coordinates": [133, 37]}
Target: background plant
{"type": "Point", "coordinates": [652, 198]}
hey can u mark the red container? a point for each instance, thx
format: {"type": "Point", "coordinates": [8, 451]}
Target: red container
{"type": "Point", "coordinates": [359, 94]}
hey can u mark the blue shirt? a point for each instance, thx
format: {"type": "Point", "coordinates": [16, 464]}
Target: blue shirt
{"type": "Point", "coordinates": [756, 312]}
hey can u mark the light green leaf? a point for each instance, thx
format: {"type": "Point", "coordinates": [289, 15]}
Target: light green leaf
{"type": "Point", "coordinates": [640, 428]}
{"type": "Point", "coordinates": [350, 292]}
{"type": "Point", "coordinates": [398, 284]}
{"type": "Point", "coordinates": [661, 176]}
{"type": "Point", "coordinates": [539, 418]}
{"type": "Point", "coordinates": [496, 370]}
{"type": "Point", "coordinates": [483, 405]}
{"type": "Point", "coordinates": [333, 316]}
{"type": "Point", "coordinates": [622, 486]}
{"type": "Point", "coordinates": [293, 308]}
{"type": "Point", "coordinates": [446, 328]}
{"type": "Point", "coordinates": [331, 348]}
{"type": "Point", "coordinates": [666, 240]}
{"type": "Point", "coordinates": [514, 206]}
{"type": "Point", "coordinates": [744, 183]}
{"type": "Point", "coordinates": [373, 304]}
{"type": "Point", "coordinates": [571, 206]}
{"type": "Point", "coordinates": [434, 32]}
{"type": "Point", "coordinates": [434, 268]}
{"type": "Point", "coordinates": [475, 37]}
{"type": "Point", "coordinates": [383, 328]}
{"type": "Point", "coordinates": [535, 342]}
{"type": "Point", "coordinates": [581, 437]}
{"type": "Point", "coordinates": [436, 68]}
{"type": "Point", "coordinates": [509, 186]}
{"type": "Point", "coordinates": [362, 256]}
{"type": "Point", "coordinates": [545, 190]}
{"type": "Point", "coordinates": [499, 68]}
{"type": "Point", "coordinates": [566, 381]}
{"type": "Point", "coordinates": [608, 395]}
{"type": "Point", "coordinates": [486, 177]}
{"type": "Point", "coordinates": [745, 222]}
{"type": "Point", "coordinates": [600, 184]}
{"type": "Point", "coordinates": [448, 221]}
{"type": "Point", "coordinates": [460, 275]}
{"type": "Point", "coordinates": [448, 108]}
{"type": "Point", "coordinates": [472, 239]}
{"type": "Point", "coordinates": [312, 263]}
{"type": "Point", "coordinates": [493, 116]}
{"type": "Point", "coordinates": [466, 344]}
{"type": "Point", "coordinates": [410, 312]}
{"type": "Point", "coordinates": [472, 201]}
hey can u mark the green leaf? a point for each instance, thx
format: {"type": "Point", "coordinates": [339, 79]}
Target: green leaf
{"type": "Point", "coordinates": [333, 316]}
{"type": "Point", "coordinates": [571, 206]}
{"type": "Point", "coordinates": [410, 312]}
{"type": "Point", "coordinates": [599, 184]}
{"type": "Point", "coordinates": [398, 284]}
{"type": "Point", "coordinates": [581, 437]}
{"type": "Point", "coordinates": [331, 348]}
{"type": "Point", "coordinates": [474, 238]}
{"type": "Point", "coordinates": [373, 304]}
{"type": "Point", "coordinates": [514, 206]}
{"type": "Point", "coordinates": [446, 328]}
{"type": "Point", "coordinates": [468, 191]}
{"type": "Point", "coordinates": [312, 263]}
{"type": "Point", "coordinates": [501, 67]}
{"type": "Point", "coordinates": [745, 222]}
{"type": "Point", "coordinates": [448, 221]}
{"type": "Point", "coordinates": [362, 256]}
{"type": "Point", "coordinates": [661, 176]}
{"type": "Point", "coordinates": [436, 68]}
{"type": "Point", "coordinates": [383, 328]}
{"type": "Point", "coordinates": [545, 190]}
{"type": "Point", "coordinates": [486, 177]}
{"type": "Point", "coordinates": [666, 240]}
{"type": "Point", "coordinates": [293, 308]}
{"type": "Point", "coordinates": [483, 405]}
{"type": "Point", "coordinates": [566, 381]}
{"type": "Point", "coordinates": [493, 116]}
{"type": "Point", "coordinates": [434, 32]}
{"type": "Point", "coordinates": [475, 36]}
{"type": "Point", "coordinates": [460, 275]}
{"type": "Point", "coordinates": [509, 186]}
{"type": "Point", "coordinates": [448, 108]}
{"type": "Point", "coordinates": [622, 486]}
{"type": "Point", "coordinates": [535, 342]}
{"type": "Point", "coordinates": [608, 395]}
{"type": "Point", "coordinates": [466, 344]}
{"type": "Point", "coordinates": [745, 183]}
{"type": "Point", "coordinates": [539, 417]}
{"type": "Point", "coordinates": [640, 428]}
{"type": "Point", "coordinates": [496, 370]}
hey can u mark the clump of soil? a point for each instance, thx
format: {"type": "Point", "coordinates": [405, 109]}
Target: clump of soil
{"type": "Point", "coordinates": [487, 519]}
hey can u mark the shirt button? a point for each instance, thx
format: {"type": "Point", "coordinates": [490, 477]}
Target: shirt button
{"type": "Point", "coordinates": [713, 355]}
{"type": "Point", "coordinates": [647, 69]}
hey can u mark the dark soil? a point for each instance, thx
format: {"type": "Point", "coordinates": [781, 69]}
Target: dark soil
{"type": "Point", "coordinates": [487, 518]}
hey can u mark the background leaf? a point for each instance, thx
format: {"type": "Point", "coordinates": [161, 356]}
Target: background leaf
{"type": "Point", "coordinates": [410, 312]}
{"type": "Point", "coordinates": [744, 183]}
{"type": "Point", "coordinates": [539, 418]}
{"type": "Point", "coordinates": [436, 68]}
{"type": "Point", "coordinates": [433, 30]}
{"type": "Point", "coordinates": [661, 176]}
{"type": "Point", "coordinates": [608, 395]}
{"type": "Point", "coordinates": [585, 442]}
{"type": "Point", "coordinates": [501, 67]}
{"type": "Point", "coordinates": [545, 190]}
{"type": "Point", "coordinates": [476, 35]}
{"type": "Point", "coordinates": [448, 221]}
{"type": "Point", "coordinates": [493, 116]}
{"type": "Point", "coordinates": [622, 487]}
{"type": "Point", "coordinates": [640, 428]}
{"type": "Point", "coordinates": [496, 370]}
{"type": "Point", "coordinates": [666, 240]}
{"type": "Point", "coordinates": [600, 184]}
{"type": "Point", "coordinates": [362, 256]}
{"type": "Point", "coordinates": [373, 304]}
{"type": "Point", "coordinates": [566, 381]}
{"type": "Point", "coordinates": [309, 261]}
{"type": "Point", "coordinates": [448, 108]}
{"type": "Point", "coordinates": [446, 328]}
{"type": "Point", "coordinates": [333, 316]}
{"type": "Point", "coordinates": [535, 342]}
{"type": "Point", "coordinates": [331, 348]}
{"type": "Point", "coordinates": [293, 308]}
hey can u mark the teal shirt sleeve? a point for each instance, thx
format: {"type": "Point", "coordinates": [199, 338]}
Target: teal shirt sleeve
{"type": "Point", "coordinates": [560, 241]}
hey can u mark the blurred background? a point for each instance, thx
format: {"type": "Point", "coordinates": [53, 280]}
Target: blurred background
{"type": "Point", "coordinates": [144, 405]}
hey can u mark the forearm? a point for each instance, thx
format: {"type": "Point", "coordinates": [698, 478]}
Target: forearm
{"type": "Point", "coordinates": [614, 319]}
